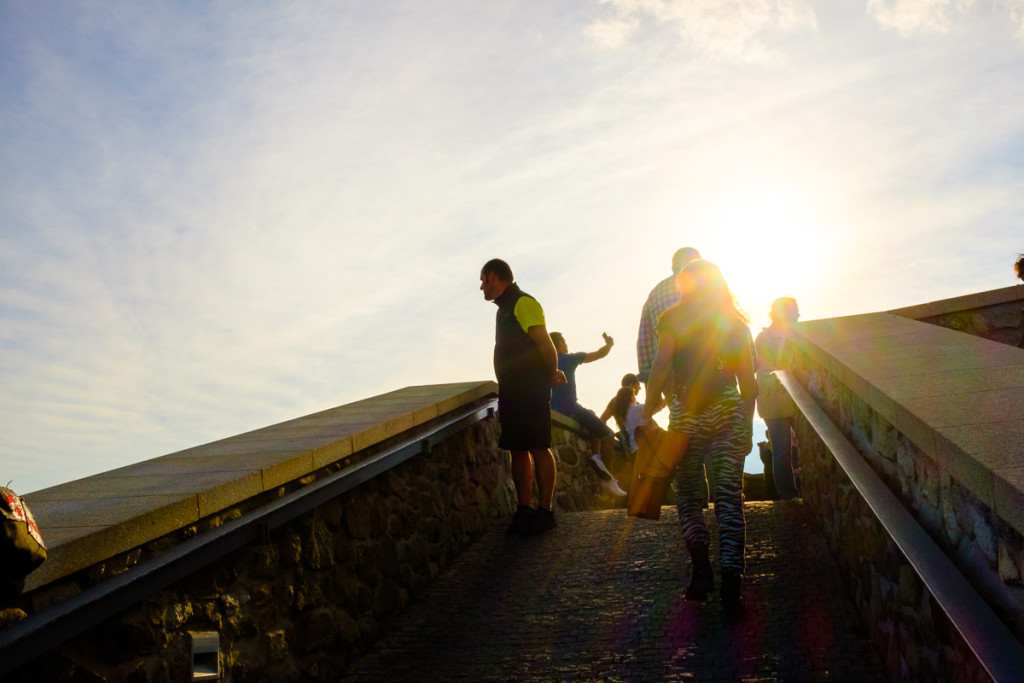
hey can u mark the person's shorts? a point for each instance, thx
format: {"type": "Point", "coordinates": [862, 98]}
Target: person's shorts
{"type": "Point", "coordinates": [592, 423]}
{"type": "Point", "coordinates": [525, 419]}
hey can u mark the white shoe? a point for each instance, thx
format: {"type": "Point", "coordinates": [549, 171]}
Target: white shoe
{"type": "Point", "coordinates": [613, 488]}
{"type": "Point", "coordinates": [602, 471]}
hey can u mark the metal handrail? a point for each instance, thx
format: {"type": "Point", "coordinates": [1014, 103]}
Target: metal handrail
{"type": "Point", "coordinates": [997, 650]}
{"type": "Point", "coordinates": [48, 628]}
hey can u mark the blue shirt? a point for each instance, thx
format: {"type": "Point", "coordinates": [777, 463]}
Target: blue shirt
{"type": "Point", "coordinates": [563, 397]}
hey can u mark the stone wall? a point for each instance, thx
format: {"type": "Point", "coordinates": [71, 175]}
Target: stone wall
{"type": "Point", "coordinates": [997, 315]}
{"type": "Point", "coordinates": [915, 638]}
{"type": "Point", "coordinates": [324, 586]}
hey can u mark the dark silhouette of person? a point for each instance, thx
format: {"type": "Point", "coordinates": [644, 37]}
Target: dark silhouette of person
{"type": "Point", "coordinates": [565, 401]}
{"type": "Point", "coordinates": [774, 404]}
{"type": "Point", "coordinates": [705, 361]}
{"type": "Point", "coordinates": [526, 365]}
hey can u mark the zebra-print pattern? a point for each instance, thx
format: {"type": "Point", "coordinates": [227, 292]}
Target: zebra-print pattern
{"type": "Point", "coordinates": [725, 433]}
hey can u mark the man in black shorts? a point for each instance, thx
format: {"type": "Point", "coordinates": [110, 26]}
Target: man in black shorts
{"type": "Point", "coordinates": [526, 365]}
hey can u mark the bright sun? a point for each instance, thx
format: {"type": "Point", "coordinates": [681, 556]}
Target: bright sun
{"type": "Point", "coordinates": [769, 242]}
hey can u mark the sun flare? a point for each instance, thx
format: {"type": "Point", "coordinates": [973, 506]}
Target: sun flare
{"type": "Point", "coordinates": [769, 242]}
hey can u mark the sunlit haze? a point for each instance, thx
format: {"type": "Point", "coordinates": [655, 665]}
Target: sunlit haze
{"type": "Point", "coordinates": [215, 217]}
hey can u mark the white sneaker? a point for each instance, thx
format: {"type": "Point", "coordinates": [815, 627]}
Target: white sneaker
{"type": "Point", "coordinates": [602, 471]}
{"type": "Point", "coordinates": [613, 488]}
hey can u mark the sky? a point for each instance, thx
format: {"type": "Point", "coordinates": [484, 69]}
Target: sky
{"type": "Point", "coordinates": [219, 216]}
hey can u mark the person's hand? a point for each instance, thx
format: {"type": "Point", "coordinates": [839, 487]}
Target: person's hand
{"type": "Point", "coordinates": [558, 379]}
{"type": "Point", "coordinates": [648, 421]}
{"type": "Point", "coordinates": [607, 340]}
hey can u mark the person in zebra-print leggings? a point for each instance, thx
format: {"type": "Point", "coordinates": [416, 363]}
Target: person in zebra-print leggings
{"type": "Point", "coordinates": [705, 362]}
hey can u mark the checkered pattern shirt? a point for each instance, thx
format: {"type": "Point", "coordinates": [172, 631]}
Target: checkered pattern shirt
{"type": "Point", "coordinates": [663, 296]}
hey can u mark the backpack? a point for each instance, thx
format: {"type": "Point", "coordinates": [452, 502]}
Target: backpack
{"type": "Point", "coordinates": [21, 545]}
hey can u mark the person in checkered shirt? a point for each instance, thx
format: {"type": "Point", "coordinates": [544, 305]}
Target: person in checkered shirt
{"type": "Point", "coordinates": [664, 295]}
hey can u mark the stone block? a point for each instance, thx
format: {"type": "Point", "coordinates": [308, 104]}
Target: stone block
{"type": "Point", "coordinates": [949, 507]}
{"type": "Point", "coordinates": [347, 628]}
{"type": "Point", "coordinates": [358, 517]}
{"type": "Point", "coordinates": [952, 454]}
{"type": "Point", "coordinates": [387, 599]}
{"type": "Point", "coordinates": [82, 532]}
{"type": "Point", "coordinates": [277, 645]}
{"type": "Point", "coordinates": [309, 593]}
{"type": "Point", "coordinates": [1008, 496]}
{"type": "Point", "coordinates": [315, 630]}
{"type": "Point", "coordinates": [1009, 567]}
{"type": "Point", "coordinates": [318, 548]}
{"type": "Point", "coordinates": [127, 639]}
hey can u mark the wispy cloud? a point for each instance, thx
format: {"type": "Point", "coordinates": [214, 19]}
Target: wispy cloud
{"type": "Point", "coordinates": [1016, 8]}
{"type": "Point", "coordinates": [612, 32]}
{"type": "Point", "coordinates": [750, 31]}
{"type": "Point", "coordinates": [917, 16]}
{"type": "Point", "coordinates": [735, 30]}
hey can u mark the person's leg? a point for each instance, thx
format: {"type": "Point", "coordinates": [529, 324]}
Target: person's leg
{"type": "Point", "coordinates": [709, 479]}
{"type": "Point", "coordinates": [608, 451]}
{"type": "Point", "coordinates": [729, 448]}
{"type": "Point", "coordinates": [544, 462]}
{"type": "Point", "coordinates": [691, 495]}
{"type": "Point", "coordinates": [691, 488]}
{"type": "Point", "coordinates": [522, 477]}
{"type": "Point", "coordinates": [764, 452]}
{"type": "Point", "coordinates": [689, 483]}
{"type": "Point", "coordinates": [543, 518]}
{"type": "Point", "coordinates": [782, 461]}
{"type": "Point", "coordinates": [602, 445]}
{"type": "Point", "coordinates": [689, 480]}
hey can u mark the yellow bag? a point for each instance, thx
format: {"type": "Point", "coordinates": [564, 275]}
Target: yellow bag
{"type": "Point", "coordinates": [658, 454]}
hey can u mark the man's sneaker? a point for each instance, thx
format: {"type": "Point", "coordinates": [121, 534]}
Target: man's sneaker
{"type": "Point", "coordinates": [521, 521]}
{"type": "Point", "coordinates": [602, 471]}
{"type": "Point", "coordinates": [613, 488]}
{"type": "Point", "coordinates": [542, 520]}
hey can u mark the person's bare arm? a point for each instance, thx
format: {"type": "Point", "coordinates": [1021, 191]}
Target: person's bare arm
{"type": "Point", "coordinates": [660, 372]}
{"type": "Point", "coordinates": [601, 352]}
{"type": "Point", "coordinates": [745, 378]}
{"type": "Point", "coordinates": [539, 335]}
